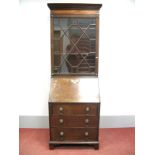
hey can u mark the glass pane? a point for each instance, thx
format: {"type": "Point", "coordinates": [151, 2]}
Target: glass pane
{"type": "Point", "coordinates": [74, 45]}
{"type": "Point", "coordinates": [74, 33]}
{"type": "Point", "coordinates": [84, 23]}
{"type": "Point", "coordinates": [74, 59]}
{"type": "Point", "coordinates": [91, 32]}
{"type": "Point", "coordinates": [91, 59]}
{"type": "Point", "coordinates": [56, 45]}
{"type": "Point", "coordinates": [57, 59]}
{"type": "Point", "coordinates": [93, 46]}
{"type": "Point", "coordinates": [84, 44]}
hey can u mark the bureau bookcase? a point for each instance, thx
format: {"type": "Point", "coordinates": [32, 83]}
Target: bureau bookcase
{"type": "Point", "coordinates": [74, 101]}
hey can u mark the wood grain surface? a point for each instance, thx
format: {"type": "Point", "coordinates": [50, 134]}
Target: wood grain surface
{"type": "Point", "coordinates": [74, 89]}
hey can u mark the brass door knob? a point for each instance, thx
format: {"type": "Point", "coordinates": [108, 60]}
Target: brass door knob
{"type": "Point", "coordinates": [61, 121]}
{"type": "Point", "coordinates": [61, 133]}
{"type": "Point", "coordinates": [86, 120]}
{"type": "Point", "coordinates": [61, 109]}
{"type": "Point", "coordinates": [86, 134]}
{"type": "Point", "coordinates": [87, 109]}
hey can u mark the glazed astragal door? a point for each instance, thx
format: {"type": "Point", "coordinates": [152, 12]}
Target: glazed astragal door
{"type": "Point", "coordinates": [74, 45]}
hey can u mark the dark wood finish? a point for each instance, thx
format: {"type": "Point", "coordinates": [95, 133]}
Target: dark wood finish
{"type": "Point", "coordinates": [52, 41]}
{"type": "Point", "coordinates": [73, 126]}
{"type": "Point", "coordinates": [75, 12]}
{"type": "Point", "coordinates": [97, 44]}
{"type": "Point", "coordinates": [68, 142]}
{"type": "Point", "coordinates": [74, 101]}
{"type": "Point", "coordinates": [72, 118]}
{"type": "Point", "coordinates": [75, 15]}
{"type": "Point", "coordinates": [73, 6]}
{"type": "Point", "coordinates": [81, 121]}
{"type": "Point", "coordinates": [74, 134]}
{"type": "Point", "coordinates": [74, 108]}
{"type": "Point", "coordinates": [96, 146]}
{"type": "Point", "coordinates": [53, 144]}
{"type": "Point", "coordinates": [75, 74]}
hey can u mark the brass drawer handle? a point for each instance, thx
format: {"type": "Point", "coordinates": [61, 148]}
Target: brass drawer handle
{"type": "Point", "coordinates": [61, 109]}
{"type": "Point", "coordinates": [87, 109]}
{"type": "Point", "coordinates": [62, 133]}
{"type": "Point", "coordinates": [86, 120]}
{"type": "Point", "coordinates": [61, 121]}
{"type": "Point", "coordinates": [86, 133]}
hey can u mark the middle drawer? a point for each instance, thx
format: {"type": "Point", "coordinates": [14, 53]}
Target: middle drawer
{"type": "Point", "coordinates": [74, 121]}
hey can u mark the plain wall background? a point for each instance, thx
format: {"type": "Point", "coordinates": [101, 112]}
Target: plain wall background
{"type": "Point", "coordinates": [116, 62]}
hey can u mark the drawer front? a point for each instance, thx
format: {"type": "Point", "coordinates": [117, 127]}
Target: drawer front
{"type": "Point", "coordinates": [74, 121]}
{"type": "Point", "coordinates": [73, 109]}
{"type": "Point", "coordinates": [74, 134]}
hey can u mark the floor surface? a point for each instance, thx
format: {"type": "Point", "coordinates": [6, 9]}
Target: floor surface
{"type": "Point", "coordinates": [113, 141]}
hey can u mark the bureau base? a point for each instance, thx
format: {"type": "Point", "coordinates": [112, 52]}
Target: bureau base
{"type": "Point", "coordinates": [53, 144]}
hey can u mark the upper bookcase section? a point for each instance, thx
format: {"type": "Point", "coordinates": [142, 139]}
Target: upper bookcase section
{"type": "Point", "coordinates": [74, 38]}
{"type": "Point", "coordinates": [73, 6]}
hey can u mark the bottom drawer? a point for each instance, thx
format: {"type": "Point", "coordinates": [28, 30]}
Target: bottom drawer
{"type": "Point", "coordinates": [74, 134]}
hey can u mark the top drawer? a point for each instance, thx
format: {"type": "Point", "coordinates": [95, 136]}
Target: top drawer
{"type": "Point", "coordinates": [73, 108]}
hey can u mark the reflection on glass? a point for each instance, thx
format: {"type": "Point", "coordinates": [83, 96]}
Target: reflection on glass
{"type": "Point", "coordinates": [74, 45]}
